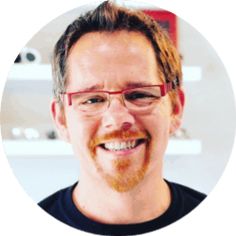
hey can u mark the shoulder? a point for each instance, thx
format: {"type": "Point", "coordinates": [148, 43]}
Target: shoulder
{"type": "Point", "coordinates": [190, 193]}
{"type": "Point", "coordinates": [52, 199]}
{"type": "Point", "coordinates": [55, 201]}
{"type": "Point", "coordinates": [188, 197]}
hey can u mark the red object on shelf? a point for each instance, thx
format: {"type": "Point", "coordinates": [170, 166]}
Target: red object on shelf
{"type": "Point", "coordinates": [167, 20]}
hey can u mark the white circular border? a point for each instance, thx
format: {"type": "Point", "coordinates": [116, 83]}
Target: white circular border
{"type": "Point", "coordinates": [20, 20]}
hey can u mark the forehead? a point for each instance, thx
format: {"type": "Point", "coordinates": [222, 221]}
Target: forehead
{"type": "Point", "coordinates": [111, 59]}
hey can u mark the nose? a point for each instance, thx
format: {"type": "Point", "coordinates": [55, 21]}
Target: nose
{"type": "Point", "coordinates": [117, 116]}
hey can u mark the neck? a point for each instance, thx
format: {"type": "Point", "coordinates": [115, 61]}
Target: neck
{"type": "Point", "coordinates": [148, 200]}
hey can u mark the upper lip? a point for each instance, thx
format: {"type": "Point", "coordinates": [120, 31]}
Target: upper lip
{"type": "Point", "coordinates": [120, 140]}
{"type": "Point", "coordinates": [123, 137]}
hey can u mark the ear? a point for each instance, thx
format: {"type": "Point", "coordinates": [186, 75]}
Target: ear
{"type": "Point", "coordinates": [59, 119]}
{"type": "Point", "coordinates": [177, 112]}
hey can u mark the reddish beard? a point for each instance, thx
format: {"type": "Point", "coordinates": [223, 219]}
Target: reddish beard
{"type": "Point", "coordinates": [120, 180]}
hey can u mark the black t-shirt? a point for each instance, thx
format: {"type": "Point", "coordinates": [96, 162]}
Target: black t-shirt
{"type": "Point", "coordinates": [60, 205]}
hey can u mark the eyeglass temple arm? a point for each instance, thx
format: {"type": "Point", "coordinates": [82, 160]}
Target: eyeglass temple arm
{"type": "Point", "coordinates": [68, 95]}
{"type": "Point", "coordinates": [171, 85]}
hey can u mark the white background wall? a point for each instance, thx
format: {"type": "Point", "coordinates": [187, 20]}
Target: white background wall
{"type": "Point", "coordinates": [209, 116]}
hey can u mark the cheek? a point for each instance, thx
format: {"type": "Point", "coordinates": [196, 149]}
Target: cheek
{"type": "Point", "coordinates": [158, 122]}
{"type": "Point", "coordinates": [81, 130]}
{"type": "Point", "coordinates": [158, 129]}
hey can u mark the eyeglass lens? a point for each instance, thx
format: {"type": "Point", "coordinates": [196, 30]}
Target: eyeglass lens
{"type": "Point", "coordinates": [95, 102]}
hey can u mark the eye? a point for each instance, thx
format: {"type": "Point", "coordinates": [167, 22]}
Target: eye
{"type": "Point", "coordinates": [93, 100]}
{"type": "Point", "coordinates": [139, 95]}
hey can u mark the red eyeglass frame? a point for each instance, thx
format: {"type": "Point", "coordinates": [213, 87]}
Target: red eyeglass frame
{"type": "Point", "coordinates": [165, 88]}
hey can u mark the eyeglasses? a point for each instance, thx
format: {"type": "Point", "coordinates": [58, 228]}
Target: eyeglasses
{"type": "Point", "coordinates": [138, 100]}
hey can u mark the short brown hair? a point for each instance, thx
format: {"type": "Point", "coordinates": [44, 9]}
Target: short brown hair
{"type": "Point", "coordinates": [108, 17]}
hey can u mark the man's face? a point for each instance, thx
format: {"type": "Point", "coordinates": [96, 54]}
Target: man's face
{"type": "Point", "coordinates": [112, 61]}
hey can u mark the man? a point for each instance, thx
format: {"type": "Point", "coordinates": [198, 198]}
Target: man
{"type": "Point", "coordinates": [117, 99]}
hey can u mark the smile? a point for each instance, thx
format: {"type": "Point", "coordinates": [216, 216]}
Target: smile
{"type": "Point", "coordinates": [122, 145]}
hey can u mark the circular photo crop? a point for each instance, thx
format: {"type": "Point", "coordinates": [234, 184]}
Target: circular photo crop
{"type": "Point", "coordinates": [118, 118]}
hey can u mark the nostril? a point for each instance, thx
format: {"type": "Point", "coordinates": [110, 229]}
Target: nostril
{"type": "Point", "coordinates": [126, 126]}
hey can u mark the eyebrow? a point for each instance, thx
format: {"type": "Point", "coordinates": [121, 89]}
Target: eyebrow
{"type": "Point", "coordinates": [137, 84]}
{"type": "Point", "coordinates": [127, 86]}
{"type": "Point", "coordinates": [93, 88]}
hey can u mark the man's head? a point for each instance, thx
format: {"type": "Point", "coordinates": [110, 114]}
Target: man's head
{"type": "Point", "coordinates": [111, 18]}
{"type": "Point", "coordinates": [113, 49]}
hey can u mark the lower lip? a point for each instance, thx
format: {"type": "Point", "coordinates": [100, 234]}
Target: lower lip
{"type": "Point", "coordinates": [123, 152]}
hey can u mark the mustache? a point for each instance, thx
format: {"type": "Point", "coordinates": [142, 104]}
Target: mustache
{"type": "Point", "coordinates": [118, 134]}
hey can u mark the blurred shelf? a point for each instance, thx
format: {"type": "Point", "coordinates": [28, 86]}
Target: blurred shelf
{"type": "Point", "coordinates": [36, 72]}
{"type": "Point", "coordinates": [30, 72]}
{"type": "Point", "coordinates": [59, 148]}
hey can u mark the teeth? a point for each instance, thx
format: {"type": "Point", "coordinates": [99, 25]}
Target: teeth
{"type": "Point", "coordinates": [117, 146]}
